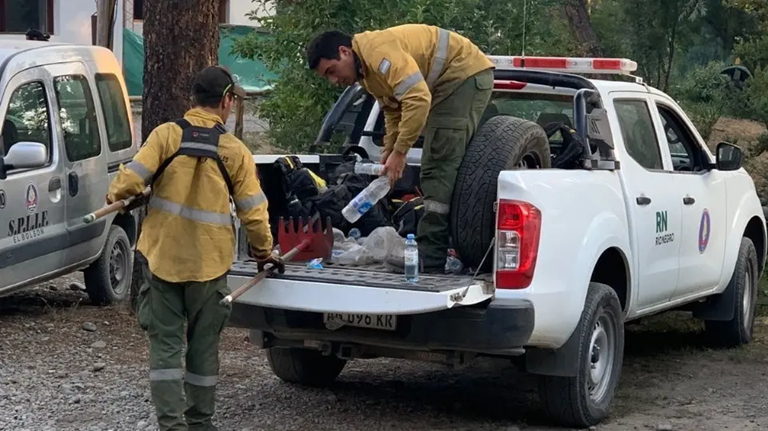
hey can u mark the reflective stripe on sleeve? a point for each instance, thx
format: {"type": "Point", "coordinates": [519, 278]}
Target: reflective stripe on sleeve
{"type": "Point", "coordinates": [166, 374]}
{"type": "Point", "coordinates": [407, 83]}
{"type": "Point", "coordinates": [142, 171]}
{"type": "Point", "coordinates": [438, 62]}
{"type": "Point", "coordinates": [250, 202]}
{"type": "Point", "coordinates": [436, 207]}
{"type": "Point", "coordinates": [198, 380]}
{"type": "Point", "coordinates": [190, 213]}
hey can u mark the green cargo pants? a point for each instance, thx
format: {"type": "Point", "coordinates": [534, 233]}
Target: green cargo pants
{"type": "Point", "coordinates": [163, 308]}
{"type": "Point", "coordinates": [450, 126]}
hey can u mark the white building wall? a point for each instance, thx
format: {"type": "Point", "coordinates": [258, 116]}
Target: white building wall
{"type": "Point", "coordinates": [239, 8]}
{"type": "Point", "coordinates": [72, 23]}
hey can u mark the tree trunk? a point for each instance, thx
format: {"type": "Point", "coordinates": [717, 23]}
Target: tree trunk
{"type": "Point", "coordinates": [581, 28]}
{"type": "Point", "coordinates": [181, 37]}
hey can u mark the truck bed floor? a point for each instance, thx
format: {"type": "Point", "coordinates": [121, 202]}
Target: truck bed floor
{"type": "Point", "coordinates": [371, 276]}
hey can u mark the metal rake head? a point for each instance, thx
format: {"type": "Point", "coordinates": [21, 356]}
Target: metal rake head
{"type": "Point", "coordinates": [313, 241]}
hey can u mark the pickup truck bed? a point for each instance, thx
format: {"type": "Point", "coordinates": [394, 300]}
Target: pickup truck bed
{"type": "Point", "coordinates": [369, 275]}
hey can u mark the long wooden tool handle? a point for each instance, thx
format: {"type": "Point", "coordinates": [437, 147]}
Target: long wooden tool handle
{"type": "Point", "coordinates": [114, 206]}
{"type": "Point", "coordinates": [262, 275]}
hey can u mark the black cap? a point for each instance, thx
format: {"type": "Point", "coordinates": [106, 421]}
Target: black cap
{"type": "Point", "coordinates": [213, 83]}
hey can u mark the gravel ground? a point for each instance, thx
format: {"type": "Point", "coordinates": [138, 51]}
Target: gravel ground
{"type": "Point", "coordinates": [67, 365]}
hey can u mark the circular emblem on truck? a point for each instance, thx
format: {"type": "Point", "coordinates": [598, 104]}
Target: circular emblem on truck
{"type": "Point", "coordinates": [31, 198]}
{"type": "Point", "coordinates": [2, 199]}
{"type": "Point", "coordinates": [704, 230]}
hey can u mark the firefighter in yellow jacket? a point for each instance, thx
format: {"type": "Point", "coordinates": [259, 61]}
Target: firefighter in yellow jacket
{"type": "Point", "coordinates": [427, 80]}
{"type": "Point", "coordinates": [188, 243]}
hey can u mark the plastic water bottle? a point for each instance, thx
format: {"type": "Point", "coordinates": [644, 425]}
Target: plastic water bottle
{"type": "Point", "coordinates": [411, 256]}
{"type": "Point", "coordinates": [355, 233]}
{"type": "Point", "coordinates": [366, 199]}
{"type": "Point", "coordinates": [369, 168]}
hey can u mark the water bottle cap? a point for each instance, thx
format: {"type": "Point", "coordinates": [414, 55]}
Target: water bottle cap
{"type": "Point", "coordinates": [411, 236]}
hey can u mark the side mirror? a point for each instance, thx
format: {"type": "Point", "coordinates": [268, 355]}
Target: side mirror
{"type": "Point", "coordinates": [729, 157]}
{"type": "Point", "coordinates": [25, 155]}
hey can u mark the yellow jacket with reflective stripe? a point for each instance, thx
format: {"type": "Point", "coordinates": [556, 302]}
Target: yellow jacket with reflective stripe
{"type": "Point", "coordinates": [188, 234]}
{"type": "Point", "coordinates": [411, 67]}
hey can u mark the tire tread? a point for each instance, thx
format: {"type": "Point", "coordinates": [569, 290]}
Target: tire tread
{"type": "Point", "coordinates": [497, 145]}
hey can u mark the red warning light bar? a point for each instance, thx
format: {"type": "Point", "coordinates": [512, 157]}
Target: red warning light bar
{"type": "Point", "coordinates": [566, 64]}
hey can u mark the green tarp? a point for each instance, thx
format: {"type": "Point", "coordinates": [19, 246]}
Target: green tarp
{"type": "Point", "coordinates": [252, 75]}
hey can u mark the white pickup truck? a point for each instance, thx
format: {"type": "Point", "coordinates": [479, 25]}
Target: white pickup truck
{"type": "Point", "coordinates": [561, 255]}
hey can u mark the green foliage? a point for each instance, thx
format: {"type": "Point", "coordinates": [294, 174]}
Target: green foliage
{"type": "Point", "coordinates": [300, 100]}
{"type": "Point", "coordinates": [704, 95]}
{"type": "Point", "coordinates": [757, 95]}
{"type": "Point", "coordinates": [680, 46]}
{"type": "Point", "coordinates": [753, 52]}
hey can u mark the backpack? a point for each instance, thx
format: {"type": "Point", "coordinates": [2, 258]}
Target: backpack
{"type": "Point", "coordinates": [406, 214]}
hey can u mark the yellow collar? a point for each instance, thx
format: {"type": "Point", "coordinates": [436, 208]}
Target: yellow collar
{"type": "Point", "coordinates": [201, 114]}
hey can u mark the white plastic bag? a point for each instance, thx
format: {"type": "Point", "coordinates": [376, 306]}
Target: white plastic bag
{"type": "Point", "coordinates": [382, 243]}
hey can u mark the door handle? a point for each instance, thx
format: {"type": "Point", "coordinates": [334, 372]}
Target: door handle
{"type": "Point", "coordinates": [643, 200]}
{"type": "Point", "coordinates": [73, 182]}
{"type": "Point", "coordinates": [689, 200]}
{"type": "Point", "coordinates": [54, 184]}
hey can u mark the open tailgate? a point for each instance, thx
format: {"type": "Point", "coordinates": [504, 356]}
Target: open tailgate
{"type": "Point", "coordinates": [357, 291]}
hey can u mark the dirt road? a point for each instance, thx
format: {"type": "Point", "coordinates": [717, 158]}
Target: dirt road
{"type": "Point", "coordinates": [66, 365]}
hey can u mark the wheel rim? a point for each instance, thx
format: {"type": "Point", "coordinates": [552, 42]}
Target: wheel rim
{"type": "Point", "coordinates": [746, 301]}
{"type": "Point", "coordinates": [601, 354]}
{"type": "Point", "coordinates": [529, 161]}
{"type": "Point", "coordinates": [118, 266]}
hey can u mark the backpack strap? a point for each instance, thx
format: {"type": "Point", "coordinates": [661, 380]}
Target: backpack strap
{"type": "Point", "coordinates": [199, 142]}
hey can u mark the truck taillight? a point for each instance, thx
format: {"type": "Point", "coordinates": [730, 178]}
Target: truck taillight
{"type": "Point", "coordinates": [517, 245]}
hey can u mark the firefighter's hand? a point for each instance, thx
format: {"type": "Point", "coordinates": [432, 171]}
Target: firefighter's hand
{"type": "Point", "coordinates": [276, 261]}
{"type": "Point", "coordinates": [140, 200]}
{"type": "Point", "coordinates": [394, 166]}
{"type": "Point", "coordinates": [384, 155]}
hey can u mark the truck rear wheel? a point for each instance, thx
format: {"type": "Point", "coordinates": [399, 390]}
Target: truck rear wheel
{"type": "Point", "coordinates": [304, 366]}
{"type": "Point", "coordinates": [738, 330]}
{"type": "Point", "coordinates": [501, 143]}
{"type": "Point", "coordinates": [583, 400]}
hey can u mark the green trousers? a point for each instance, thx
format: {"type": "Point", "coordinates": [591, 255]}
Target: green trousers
{"type": "Point", "coordinates": [450, 126]}
{"type": "Point", "coordinates": [163, 308]}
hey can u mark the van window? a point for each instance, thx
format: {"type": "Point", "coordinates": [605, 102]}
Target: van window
{"type": "Point", "coordinates": [78, 117]}
{"type": "Point", "coordinates": [115, 114]}
{"type": "Point", "coordinates": [27, 118]}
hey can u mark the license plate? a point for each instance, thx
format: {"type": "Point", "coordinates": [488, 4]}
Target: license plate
{"type": "Point", "coordinates": [375, 321]}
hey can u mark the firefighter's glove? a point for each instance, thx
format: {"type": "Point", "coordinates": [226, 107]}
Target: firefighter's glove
{"type": "Point", "coordinates": [273, 259]}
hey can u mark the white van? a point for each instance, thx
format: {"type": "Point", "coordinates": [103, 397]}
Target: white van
{"type": "Point", "coordinates": [65, 127]}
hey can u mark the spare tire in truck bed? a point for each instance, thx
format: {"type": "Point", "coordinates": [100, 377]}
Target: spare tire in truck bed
{"type": "Point", "coordinates": [501, 143]}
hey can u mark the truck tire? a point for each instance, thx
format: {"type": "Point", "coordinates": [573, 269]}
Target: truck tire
{"type": "Point", "coordinates": [108, 279]}
{"type": "Point", "coordinates": [738, 330]}
{"type": "Point", "coordinates": [304, 366]}
{"type": "Point", "coordinates": [583, 400]}
{"type": "Point", "coordinates": [501, 143]}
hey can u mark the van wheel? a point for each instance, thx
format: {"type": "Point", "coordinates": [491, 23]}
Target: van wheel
{"type": "Point", "coordinates": [583, 400]}
{"type": "Point", "coordinates": [108, 279]}
{"type": "Point", "coordinates": [304, 366]}
{"type": "Point", "coordinates": [738, 330]}
{"type": "Point", "coordinates": [501, 143]}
